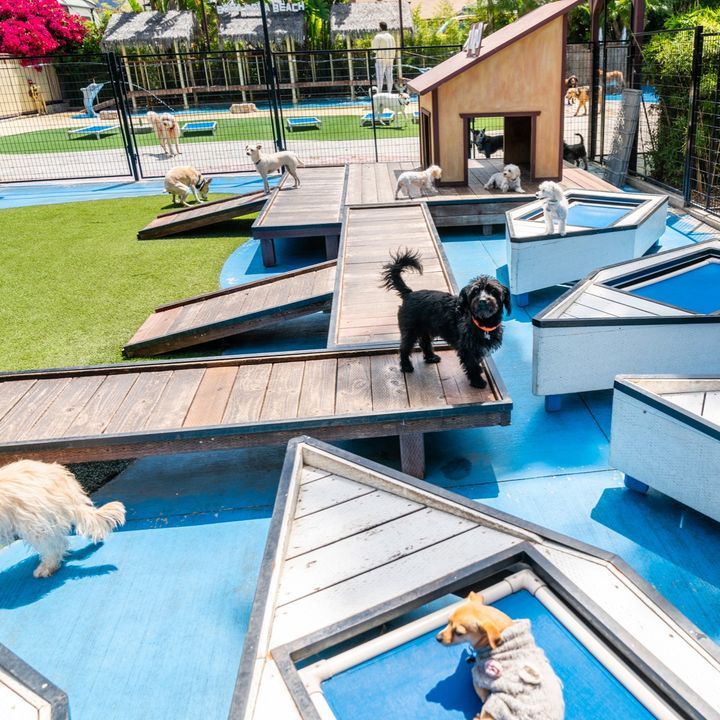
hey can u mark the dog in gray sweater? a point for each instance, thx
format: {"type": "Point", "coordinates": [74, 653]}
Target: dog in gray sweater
{"type": "Point", "coordinates": [511, 675]}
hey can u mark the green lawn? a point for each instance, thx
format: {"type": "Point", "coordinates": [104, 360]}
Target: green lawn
{"type": "Point", "coordinates": [77, 284]}
{"type": "Point", "coordinates": [334, 127]}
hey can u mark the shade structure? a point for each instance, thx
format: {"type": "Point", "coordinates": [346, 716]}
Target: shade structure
{"type": "Point", "coordinates": [149, 29]}
{"type": "Point", "coordinates": [361, 18]}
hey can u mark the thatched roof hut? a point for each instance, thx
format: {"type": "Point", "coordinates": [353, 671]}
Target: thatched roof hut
{"type": "Point", "coordinates": [363, 18]}
{"type": "Point", "coordinates": [149, 29]}
{"type": "Point", "coordinates": [243, 23]}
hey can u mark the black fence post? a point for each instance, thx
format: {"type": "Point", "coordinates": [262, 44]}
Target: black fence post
{"type": "Point", "coordinates": [118, 88]}
{"type": "Point", "coordinates": [694, 103]}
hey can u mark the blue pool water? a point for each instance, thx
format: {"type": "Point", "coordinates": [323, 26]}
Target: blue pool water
{"type": "Point", "coordinates": [595, 216]}
{"type": "Point", "coordinates": [696, 289]}
{"type": "Point", "coordinates": [422, 679]}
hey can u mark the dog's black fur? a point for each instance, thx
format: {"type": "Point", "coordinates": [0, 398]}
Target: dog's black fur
{"type": "Point", "coordinates": [427, 314]}
{"type": "Point", "coordinates": [487, 144]}
{"type": "Point", "coordinates": [571, 81]}
{"type": "Point", "coordinates": [576, 153]}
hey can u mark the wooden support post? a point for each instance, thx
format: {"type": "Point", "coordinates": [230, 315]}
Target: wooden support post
{"type": "Point", "coordinates": [350, 66]}
{"type": "Point", "coordinates": [412, 454]}
{"type": "Point", "coordinates": [241, 72]}
{"type": "Point", "coordinates": [290, 46]}
{"type": "Point", "coordinates": [129, 76]}
{"type": "Point", "coordinates": [267, 249]}
{"type": "Point", "coordinates": [331, 246]}
{"type": "Point", "coordinates": [181, 76]}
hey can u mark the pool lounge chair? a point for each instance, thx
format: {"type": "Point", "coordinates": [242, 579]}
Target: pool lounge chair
{"type": "Point", "coordinates": [206, 126]}
{"type": "Point", "coordinates": [95, 131]}
{"type": "Point", "coordinates": [303, 122]}
{"type": "Point", "coordinates": [385, 118]}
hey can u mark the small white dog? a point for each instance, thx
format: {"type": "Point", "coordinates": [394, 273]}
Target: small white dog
{"type": "Point", "coordinates": [41, 502]}
{"type": "Point", "coordinates": [397, 102]}
{"type": "Point", "coordinates": [421, 179]}
{"type": "Point", "coordinates": [183, 180]}
{"type": "Point", "coordinates": [508, 179]}
{"type": "Point", "coordinates": [270, 162]}
{"type": "Point", "coordinates": [167, 131]}
{"type": "Point", "coordinates": [556, 206]}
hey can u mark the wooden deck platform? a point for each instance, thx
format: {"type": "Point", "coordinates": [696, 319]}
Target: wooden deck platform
{"type": "Point", "coordinates": [131, 410]}
{"type": "Point", "coordinates": [228, 312]}
{"type": "Point", "coordinates": [363, 312]}
{"type": "Point", "coordinates": [313, 209]}
{"type": "Point", "coordinates": [178, 221]}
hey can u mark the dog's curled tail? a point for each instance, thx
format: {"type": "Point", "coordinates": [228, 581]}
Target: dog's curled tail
{"type": "Point", "coordinates": [392, 272]}
{"type": "Point", "coordinates": [97, 523]}
{"type": "Point", "coordinates": [582, 140]}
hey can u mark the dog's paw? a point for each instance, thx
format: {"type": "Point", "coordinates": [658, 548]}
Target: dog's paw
{"type": "Point", "coordinates": [406, 367]}
{"type": "Point", "coordinates": [478, 383]}
{"type": "Point", "coordinates": [432, 358]}
{"type": "Point", "coordinates": [43, 570]}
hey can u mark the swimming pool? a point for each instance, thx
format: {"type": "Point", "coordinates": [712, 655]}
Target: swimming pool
{"type": "Point", "coordinates": [590, 214]}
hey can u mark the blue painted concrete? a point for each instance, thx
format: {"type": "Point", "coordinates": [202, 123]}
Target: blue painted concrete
{"type": "Point", "coordinates": [54, 193]}
{"type": "Point", "coordinates": [151, 624]}
{"type": "Point", "coordinates": [422, 679]}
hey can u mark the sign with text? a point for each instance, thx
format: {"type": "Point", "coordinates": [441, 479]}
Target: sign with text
{"type": "Point", "coordinates": [286, 7]}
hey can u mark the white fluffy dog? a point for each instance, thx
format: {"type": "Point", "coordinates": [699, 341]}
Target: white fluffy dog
{"type": "Point", "coordinates": [508, 179]}
{"type": "Point", "coordinates": [397, 102]}
{"type": "Point", "coordinates": [167, 131]}
{"type": "Point", "coordinates": [270, 162]}
{"type": "Point", "coordinates": [555, 208]}
{"type": "Point", "coordinates": [421, 179]}
{"type": "Point", "coordinates": [41, 502]}
{"type": "Point", "coordinates": [183, 180]}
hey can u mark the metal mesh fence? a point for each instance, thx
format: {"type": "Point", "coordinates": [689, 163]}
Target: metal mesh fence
{"type": "Point", "coordinates": [704, 151]}
{"type": "Point", "coordinates": [52, 122]}
{"type": "Point", "coordinates": [578, 103]}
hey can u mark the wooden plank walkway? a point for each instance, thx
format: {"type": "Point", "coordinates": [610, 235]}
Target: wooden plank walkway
{"type": "Point", "coordinates": [131, 409]}
{"type": "Point", "coordinates": [228, 312]}
{"type": "Point", "coordinates": [363, 312]}
{"type": "Point", "coordinates": [178, 221]}
{"type": "Point", "coordinates": [313, 209]}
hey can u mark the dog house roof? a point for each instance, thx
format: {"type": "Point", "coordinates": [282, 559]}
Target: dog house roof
{"type": "Point", "coordinates": [491, 44]}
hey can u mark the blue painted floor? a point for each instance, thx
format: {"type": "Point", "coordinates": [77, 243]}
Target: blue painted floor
{"type": "Point", "coordinates": [53, 193]}
{"type": "Point", "coordinates": [151, 624]}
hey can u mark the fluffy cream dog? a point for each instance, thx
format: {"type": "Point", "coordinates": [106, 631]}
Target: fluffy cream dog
{"type": "Point", "coordinates": [41, 502]}
{"type": "Point", "coordinates": [183, 180]}
{"type": "Point", "coordinates": [421, 179]}
{"type": "Point", "coordinates": [508, 179]}
{"type": "Point", "coordinates": [555, 208]}
{"type": "Point", "coordinates": [267, 163]}
{"type": "Point", "coordinates": [397, 102]}
{"type": "Point", "coordinates": [167, 131]}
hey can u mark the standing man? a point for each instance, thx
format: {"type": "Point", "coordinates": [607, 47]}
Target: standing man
{"type": "Point", "coordinates": [384, 45]}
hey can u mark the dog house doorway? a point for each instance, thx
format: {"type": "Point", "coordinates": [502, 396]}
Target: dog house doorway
{"type": "Point", "coordinates": [425, 139]}
{"type": "Point", "coordinates": [518, 133]}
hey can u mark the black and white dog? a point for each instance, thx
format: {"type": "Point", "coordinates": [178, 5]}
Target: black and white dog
{"type": "Point", "coordinates": [576, 153]}
{"type": "Point", "coordinates": [470, 322]}
{"type": "Point", "coordinates": [485, 143]}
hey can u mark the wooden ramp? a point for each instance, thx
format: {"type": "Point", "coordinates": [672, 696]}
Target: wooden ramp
{"type": "Point", "coordinates": [131, 409]}
{"type": "Point", "coordinates": [311, 210]}
{"type": "Point", "coordinates": [363, 312]}
{"type": "Point", "coordinates": [235, 310]}
{"type": "Point", "coordinates": [203, 215]}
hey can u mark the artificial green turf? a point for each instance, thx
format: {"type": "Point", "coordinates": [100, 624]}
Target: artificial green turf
{"type": "Point", "coordinates": [334, 127]}
{"type": "Point", "coordinates": [77, 284]}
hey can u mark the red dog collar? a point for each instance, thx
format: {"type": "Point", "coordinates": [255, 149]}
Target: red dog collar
{"type": "Point", "coordinates": [483, 328]}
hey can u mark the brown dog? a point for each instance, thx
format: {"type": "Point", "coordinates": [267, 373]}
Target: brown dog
{"type": "Point", "coordinates": [581, 95]}
{"type": "Point", "coordinates": [510, 670]}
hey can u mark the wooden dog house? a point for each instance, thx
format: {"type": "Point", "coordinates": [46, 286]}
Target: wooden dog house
{"type": "Point", "coordinates": [518, 75]}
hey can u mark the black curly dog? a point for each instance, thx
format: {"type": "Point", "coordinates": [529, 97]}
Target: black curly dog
{"type": "Point", "coordinates": [470, 322]}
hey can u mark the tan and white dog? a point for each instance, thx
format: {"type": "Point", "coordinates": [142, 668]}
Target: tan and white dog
{"type": "Point", "coordinates": [508, 179]}
{"type": "Point", "coordinates": [185, 179]}
{"type": "Point", "coordinates": [511, 674]}
{"type": "Point", "coordinates": [267, 163]}
{"type": "Point", "coordinates": [422, 180]}
{"type": "Point", "coordinates": [40, 503]}
{"type": "Point", "coordinates": [166, 130]}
